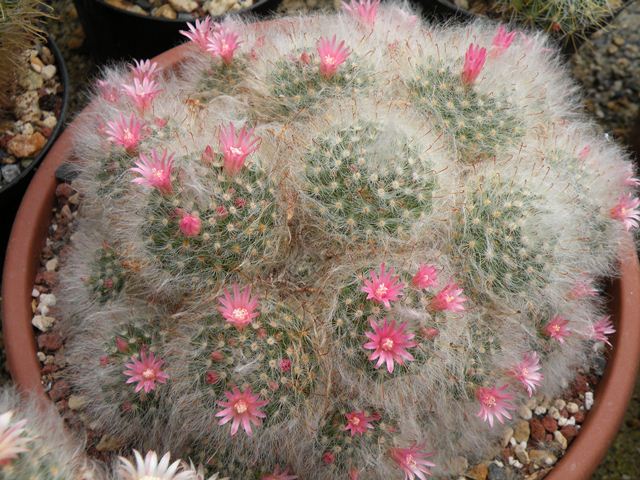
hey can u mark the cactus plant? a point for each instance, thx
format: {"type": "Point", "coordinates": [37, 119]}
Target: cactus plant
{"type": "Point", "coordinates": [349, 246]}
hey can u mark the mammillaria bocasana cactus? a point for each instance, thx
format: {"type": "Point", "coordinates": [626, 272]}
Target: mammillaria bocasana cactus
{"type": "Point", "coordinates": [338, 245]}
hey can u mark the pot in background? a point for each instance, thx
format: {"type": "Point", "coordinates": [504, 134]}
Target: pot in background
{"type": "Point", "coordinates": [113, 33]}
{"type": "Point", "coordinates": [11, 194]}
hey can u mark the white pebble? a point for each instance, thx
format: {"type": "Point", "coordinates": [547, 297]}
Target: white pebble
{"type": "Point", "coordinates": [571, 421]}
{"type": "Point", "coordinates": [513, 442]}
{"type": "Point", "coordinates": [48, 299]}
{"type": "Point", "coordinates": [48, 71]}
{"type": "Point", "coordinates": [588, 400]}
{"type": "Point", "coordinates": [540, 410]}
{"type": "Point", "coordinates": [511, 460]}
{"type": "Point", "coordinates": [35, 293]}
{"type": "Point", "coordinates": [42, 322]}
{"type": "Point", "coordinates": [554, 412]}
{"type": "Point", "coordinates": [562, 421]}
{"type": "Point", "coordinates": [572, 407]}
{"type": "Point", "coordinates": [559, 404]}
{"type": "Point", "coordinates": [525, 412]}
{"type": "Point", "coordinates": [517, 464]}
{"type": "Point", "coordinates": [499, 463]}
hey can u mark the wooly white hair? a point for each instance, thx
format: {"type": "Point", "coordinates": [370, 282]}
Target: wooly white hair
{"type": "Point", "coordinates": [501, 184]}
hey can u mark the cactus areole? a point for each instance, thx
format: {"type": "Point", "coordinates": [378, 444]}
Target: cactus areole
{"type": "Point", "coordinates": [350, 244]}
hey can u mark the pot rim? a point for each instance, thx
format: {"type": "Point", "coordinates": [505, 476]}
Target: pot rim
{"type": "Point", "coordinates": [152, 18]}
{"type": "Point", "coordinates": [64, 80]}
{"type": "Point", "coordinates": [29, 232]}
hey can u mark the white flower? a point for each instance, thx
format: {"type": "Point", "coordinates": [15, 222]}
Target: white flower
{"type": "Point", "coordinates": [149, 468]}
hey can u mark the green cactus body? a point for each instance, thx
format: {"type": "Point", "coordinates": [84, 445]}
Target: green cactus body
{"type": "Point", "coordinates": [364, 182]}
{"type": "Point", "coordinates": [481, 126]}
{"type": "Point", "coordinates": [108, 277]}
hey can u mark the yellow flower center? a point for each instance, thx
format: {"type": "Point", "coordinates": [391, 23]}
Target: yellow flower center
{"type": "Point", "coordinates": [355, 421]}
{"type": "Point", "coordinates": [239, 314]}
{"type": "Point", "coordinates": [240, 406]}
{"type": "Point", "coordinates": [329, 60]}
{"type": "Point", "coordinates": [490, 401]}
{"type": "Point", "coordinates": [387, 344]}
{"type": "Point", "coordinates": [236, 150]}
{"type": "Point", "coordinates": [148, 374]}
{"type": "Point", "coordinates": [381, 290]}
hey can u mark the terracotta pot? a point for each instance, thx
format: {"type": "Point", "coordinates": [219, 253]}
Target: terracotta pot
{"type": "Point", "coordinates": [30, 231]}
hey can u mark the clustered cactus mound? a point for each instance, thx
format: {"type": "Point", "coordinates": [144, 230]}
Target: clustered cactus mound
{"type": "Point", "coordinates": [338, 245]}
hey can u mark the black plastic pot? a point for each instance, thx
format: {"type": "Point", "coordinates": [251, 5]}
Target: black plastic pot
{"type": "Point", "coordinates": [114, 34]}
{"type": "Point", "coordinates": [11, 194]}
{"type": "Point", "coordinates": [446, 8]}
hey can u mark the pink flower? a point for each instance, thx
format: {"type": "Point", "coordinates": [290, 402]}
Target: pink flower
{"type": "Point", "coordinates": [107, 91]}
{"type": "Point", "coordinates": [190, 225]}
{"type": "Point", "coordinates": [236, 147]}
{"type": "Point", "coordinates": [631, 181]}
{"type": "Point", "coordinates": [626, 210]}
{"type": "Point", "coordinates": [223, 43]}
{"type": "Point", "coordinates": [383, 287]}
{"type": "Point", "coordinates": [285, 365]}
{"type": "Point", "coordinates": [208, 156]}
{"type": "Point", "coordinates": [211, 377]}
{"type": "Point", "coordinates": [358, 423]}
{"type": "Point", "coordinates": [146, 371]}
{"type": "Point", "coordinates": [430, 333]}
{"type": "Point", "coordinates": [155, 173]}
{"type": "Point", "coordinates": [238, 308]}
{"type": "Point", "coordinates": [122, 345]}
{"type": "Point", "coordinates": [328, 458]}
{"type": "Point", "coordinates": [501, 41]}
{"type": "Point", "coordinates": [142, 92]}
{"type": "Point", "coordinates": [528, 372]}
{"type": "Point", "coordinates": [473, 62]}
{"type": "Point", "coordinates": [243, 408]}
{"type": "Point", "coordinates": [584, 153]}
{"type": "Point", "coordinates": [426, 277]}
{"type": "Point", "coordinates": [494, 404]}
{"type": "Point", "coordinates": [331, 56]}
{"type": "Point", "coordinates": [583, 288]}
{"type": "Point", "coordinates": [127, 134]}
{"type": "Point", "coordinates": [13, 440]}
{"type": "Point", "coordinates": [413, 461]}
{"type": "Point", "coordinates": [449, 298]}
{"type": "Point", "coordinates": [601, 330]}
{"type": "Point", "coordinates": [200, 33]}
{"type": "Point", "coordinates": [144, 69]}
{"type": "Point", "coordinates": [362, 10]}
{"type": "Point", "coordinates": [557, 328]}
{"type": "Point", "coordinates": [389, 343]}
{"type": "Point", "coordinates": [279, 475]}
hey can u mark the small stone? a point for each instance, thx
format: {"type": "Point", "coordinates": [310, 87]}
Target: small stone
{"type": "Point", "coordinates": [184, 5]}
{"type": "Point", "coordinates": [48, 299]}
{"type": "Point", "coordinates": [562, 421]}
{"type": "Point", "coordinates": [559, 404]}
{"type": "Point", "coordinates": [48, 71]}
{"type": "Point", "coordinates": [108, 444]}
{"type": "Point", "coordinates": [506, 436]}
{"type": "Point", "coordinates": [549, 424]}
{"type": "Point", "coordinates": [532, 403]}
{"type": "Point", "coordinates": [35, 293]}
{"type": "Point", "coordinates": [50, 121]}
{"type": "Point", "coordinates": [458, 465]}
{"type": "Point", "coordinates": [10, 172]}
{"type": "Point", "coordinates": [165, 11]}
{"type": "Point", "coordinates": [521, 431]}
{"type": "Point", "coordinates": [41, 356]}
{"type": "Point", "coordinates": [59, 390]}
{"type": "Point", "coordinates": [51, 265]}
{"type": "Point", "coordinates": [522, 455]}
{"type": "Point", "coordinates": [579, 416]}
{"type": "Point", "coordinates": [588, 400]}
{"type": "Point", "coordinates": [47, 56]}
{"type": "Point", "coordinates": [537, 429]}
{"type": "Point", "coordinates": [478, 472]}
{"type": "Point", "coordinates": [571, 421]}
{"type": "Point", "coordinates": [540, 410]}
{"type": "Point", "coordinates": [572, 407]}
{"type": "Point", "coordinates": [554, 413]}
{"type": "Point", "coordinates": [23, 146]}
{"type": "Point", "coordinates": [558, 437]}
{"type": "Point", "coordinates": [42, 323]}
{"type": "Point", "coordinates": [30, 80]}
{"type": "Point", "coordinates": [50, 341]}
{"type": "Point", "coordinates": [496, 472]}
{"type": "Point", "coordinates": [77, 402]}
{"type": "Point", "coordinates": [36, 64]}
{"type": "Point", "coordinates": [618, 40]}
{"type": "Point", "coordinates": [569, 432]}
{"type": "Point", "coordinates": [525, 412]}
{"type": "Point", "coordinates": [542, 458]}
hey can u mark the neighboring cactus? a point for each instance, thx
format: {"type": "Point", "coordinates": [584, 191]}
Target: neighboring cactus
{"type": "Point", "coordinates": [566, 19]}
{"type": "Point", "coordinates": [34, 443]}
{"type": "Point", "coordinates": [21, 25]}
{"type": "Point", "coordinates": [338, 259]}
